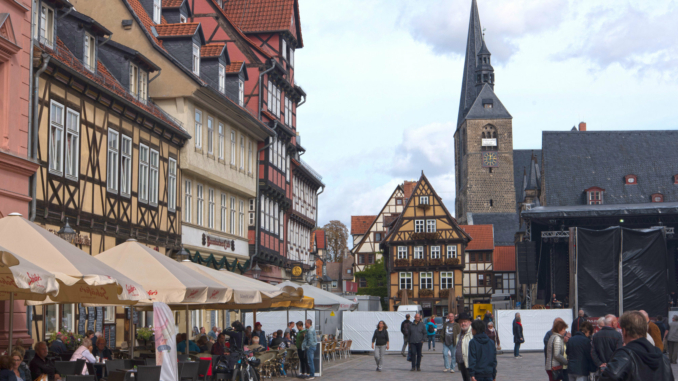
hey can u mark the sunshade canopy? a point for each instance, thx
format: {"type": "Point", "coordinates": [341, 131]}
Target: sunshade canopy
{"type": "Point", "coordinates": [323, 300]}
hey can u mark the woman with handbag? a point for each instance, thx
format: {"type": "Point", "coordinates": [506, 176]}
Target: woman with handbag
{"type": "Point", "coordinates": [555, 352]}
{"type": "Point", "coordinates": [493, 335]}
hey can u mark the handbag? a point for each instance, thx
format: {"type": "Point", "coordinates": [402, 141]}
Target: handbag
{"type": "Point", "coordinates": [557, 373]}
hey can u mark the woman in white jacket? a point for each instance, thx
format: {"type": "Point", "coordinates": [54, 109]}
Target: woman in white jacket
{"type": "Point", "coordinates": [84, 352]}
{"type": "Point", "coordinates": [555, 349]}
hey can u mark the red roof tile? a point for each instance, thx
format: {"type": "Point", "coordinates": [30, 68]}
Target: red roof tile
{"type": "Point", "coordinates": [482, 237]}
{"type": "Point", "coordinates": [212, 50]}
{"type": "Point", "coordinates": [179, 29]}
{"type": "Point", "coordinates": [172, 3]}
{"type": "Point", "coordinates": [241, 34]}
{"type": "Point", "coordinates": [360, 224]}
{"type": "Point", "coordinates": [262, 15]}
{"type": "Point", "coordinates": [234, 67]}
{"type": "Point", "coordinates": [319, 238]}
{"type": "Point", "coordinates": [504, 258]}
{"type": "Point", "coordinates": [107, 81]}
{"type": "Point", "coordinates": [408, 188]}
{"type": "Point", "coordinates": [145, 19]}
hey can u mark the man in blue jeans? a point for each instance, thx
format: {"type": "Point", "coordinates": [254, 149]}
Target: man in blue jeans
{"type": "Point", "coordinates": [309, 346]}
{"type": "Point", "coordinates": [449, 337]}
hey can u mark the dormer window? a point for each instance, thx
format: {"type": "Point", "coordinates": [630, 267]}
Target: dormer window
{"type": "Point", "coordinates": [675, 179]}
{"type": "Point", "coordinates": [241, 93]}
{"type": "Point", "coordinates": [222, 78]}
{"type": "Point", "coordinates": [90, 53]}
{"type": "Point", "coordinates": [631, 179]}
{"type": "Point", "coordinates": [594, 196]}
{"type": "Point", "coordinates": [423, 200]}
{"type": "Point", "coordinates": [183, 19]}
{"type": "Point", "coordinates": [196, 59]}
{"type": "Point", "coordinates": [157, 11]}
{"type": "Point", "coordinates": [45, 33]}
{"type": "Point", "coordinates": [138, 83]}
{"type": "Point", "coordinates": [657, 197]}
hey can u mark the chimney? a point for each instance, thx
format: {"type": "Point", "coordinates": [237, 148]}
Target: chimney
{"type": "Point", "coordinates": [582, 126]}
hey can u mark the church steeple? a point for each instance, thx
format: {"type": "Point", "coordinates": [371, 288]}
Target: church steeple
{"type": "Point", "coordinates": [484, 69]}
{"type": "Point", "coordinates": [469, 91]}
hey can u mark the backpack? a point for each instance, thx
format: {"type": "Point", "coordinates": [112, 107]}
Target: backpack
{"type": "Point", "coordinates": [405, 328]}
{"type": "Point", "coordinates": [431, 328]}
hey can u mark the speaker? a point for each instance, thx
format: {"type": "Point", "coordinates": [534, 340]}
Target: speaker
{"type": "Point", "coordinates": [527, 262]}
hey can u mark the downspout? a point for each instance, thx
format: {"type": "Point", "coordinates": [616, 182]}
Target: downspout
{"type": "Point", "coordinates": [67, 12]}
{"type": "Point", "coordinates": [36, 124]}
{"type": "Point", "coordinates": [261, 89]}
{"type": "Point", "coordinates": [156, 76]}
{"type": "Point", "coordinates": [104, 42]}
{"type": "Point", "coordinates": [257, 204]}
{"type": "Point", "coordinates": [30, 100]}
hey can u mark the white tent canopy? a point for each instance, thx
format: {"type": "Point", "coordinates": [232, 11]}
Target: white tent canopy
{"type": "Point", "coordinates": [323, 300]}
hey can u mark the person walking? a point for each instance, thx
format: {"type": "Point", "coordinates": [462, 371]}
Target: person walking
{"type": "Point", "coordinates": [415, 339]}
{"type": "Point", "coordinates": [450, 335]}
{"type": "Point", "coordinates": [577, 322]}
{"type": "Point", "coordinates": [380, 338]}
{"type": "Point", "coordinates": [518, 337]}
{"type": "Point", "coordinates": [493, 335]}
{"type": "Point", "coordinates": [461, 352]}
{"type": "Point", "coordinates": [431, 329]}
{"type": "Point", "coordinates": [637, 360]}
{"type": "Point", "coordinates": [482, 354]}
{"type": "Point", "coordinates": [580, 364]}
{"type": "Point", "coordinates": [555, 351]}
{"type": "Point", "coordinates": [303, 364]}
{"type": "Point", "coordinates": [672, 339]}
{"type": "Point", "coordinates": [405, 330]}
{"type": "Point", "coordinates": [309, 346]}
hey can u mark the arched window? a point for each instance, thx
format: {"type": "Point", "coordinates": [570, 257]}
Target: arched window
{"type": "Point", "coordinates": [489, 139]}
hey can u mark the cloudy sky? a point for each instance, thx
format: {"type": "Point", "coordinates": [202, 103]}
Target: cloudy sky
{"type": "Point", "coordinates": [383, 79]}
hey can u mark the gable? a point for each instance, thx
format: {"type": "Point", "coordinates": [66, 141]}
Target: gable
{"type": "Point", "coordinates": [481, 106]}
{"type": "Point", "coordinates": [377, 225]}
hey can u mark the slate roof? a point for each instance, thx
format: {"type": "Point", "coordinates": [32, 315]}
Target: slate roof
{"type": "Point", "coordinates": [505, 226]}
{"type": "Point", "coordinates": [576, 160]}
{"type": "Point", "coordinates": [253, 16]}
{"type": "Point", "coordinates": [504, 258]}
{"type": "Point", "coordinates": [478, 110]}
{"type": "Point", "coordinates": [468, 81]}
{"type": "Point", "coordinates": [482, 237]}
{"type": "Point", "coordinates": [521, 165]}
{"type": "Point", "coordinates": [360, 224]}
{"type": "Point", "coordinates": [214, 49]}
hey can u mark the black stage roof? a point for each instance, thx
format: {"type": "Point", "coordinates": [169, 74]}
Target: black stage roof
{"type": "Point", "coordinates": [578, 211]}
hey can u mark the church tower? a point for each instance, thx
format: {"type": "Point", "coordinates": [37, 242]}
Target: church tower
{"type": "Point", "coordinates": [484, 137]}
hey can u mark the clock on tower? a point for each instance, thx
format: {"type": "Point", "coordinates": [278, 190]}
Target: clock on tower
{"type": "Point", "coordinates": [489, 159]}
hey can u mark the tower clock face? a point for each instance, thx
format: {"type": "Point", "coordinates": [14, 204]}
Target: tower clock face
{"type": "Point", "coordinates": [489, 159]}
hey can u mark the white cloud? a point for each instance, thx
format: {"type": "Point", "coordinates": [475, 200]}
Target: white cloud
{"type": "Point", "coordinates": [429, 148]}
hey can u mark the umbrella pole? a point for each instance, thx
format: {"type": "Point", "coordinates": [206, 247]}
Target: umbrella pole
{"type": "Point", "coordinates": [131, 332]}
{"type": "Point", "coordinates": [11, 320]}
{"type": "Point", "coordinates": [254, 318]}
{"type": "Point", "coordinates": [288, 317]}
{"type": "Point", "coordinates": [187, 333]}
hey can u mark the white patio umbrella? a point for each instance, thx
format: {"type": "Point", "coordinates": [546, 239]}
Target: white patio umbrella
{"type": "Point", "coordinates": [324, 300]}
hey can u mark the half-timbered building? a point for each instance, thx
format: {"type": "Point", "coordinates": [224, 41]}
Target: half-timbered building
{"type": "Point", "coordinates": [478, 265]}
{"type": "Point", "coordinates": [425, 250]}
{"type": "Point", "coordinates": [109, 157]}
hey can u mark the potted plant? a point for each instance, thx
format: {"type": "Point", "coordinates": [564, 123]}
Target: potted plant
{"type": "Point", "coordinates": [402, 262]}
{"type": "Point", "coordinates": [445, 293]}
{"type": "Point", "coordinates": [144, 334]}
{"type": "Point", "coordinates": [426, 293]}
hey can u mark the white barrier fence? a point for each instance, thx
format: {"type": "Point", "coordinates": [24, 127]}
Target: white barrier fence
{"type": "Point", "coordinates": [272, 321]}
{"type": "Point", "coordinates": [535, 325]}
{"type": "Point", "coordinates": [359, 326]}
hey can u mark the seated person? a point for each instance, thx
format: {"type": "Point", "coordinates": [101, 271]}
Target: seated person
{"type": "Point", "coordinates": [287, 340]}
{"type": "Point", "coordinates": [202, 344]}
{"type": "Point", "coordinates": [41, 365]}
{"type": "Point", "coordinates": [58, 346]}
{"type": "Point", "coordinates": [278, 339]}
{"type": "Point", "coordinates": [273, 337]}
{"type": "Point", "coordinates": [101, 350]}
{"type": "Point", "coordinates": [219, 348]}
{"type": "Point", "coordinates": [19, 368]}
{"type": "Point", "coordinates": [83, 353]}
{"type": "Point", "coordinates": [181, 345]}
{"type": "Point", "coordinates": [6, 372]}
{"type": "Point", "coordinates": [255, 344]}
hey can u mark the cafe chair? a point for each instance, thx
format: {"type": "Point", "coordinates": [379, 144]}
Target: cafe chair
{"type": "Point", "coordinates": [203, 368]}
{"type": "Point", "coordinates": [113, 365]}
{"type": "Point", "coordinates": [67, 368]}
{"type": "Point", "coordinates": [91, 370]}
{"type": "Point", "coordinates": [148, 373]}
{"type": "Point", "coordinates": [116, 375]}
{"type": "Point", "coordinates": [188, 371]}
{"type": "Point", "coordinates": [183, 357]}
{"type": "Point", "coordinates": [150, 361]}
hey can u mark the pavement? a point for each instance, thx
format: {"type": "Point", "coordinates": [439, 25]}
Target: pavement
{"type": "Point", "coordinates": [362, 366]}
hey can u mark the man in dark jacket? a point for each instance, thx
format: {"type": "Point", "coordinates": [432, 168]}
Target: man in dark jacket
{"type": "Point", "coordinates": [518, 337]}
{"type": "Point", "coordinates": [449, 337]}
{"type": "Point", "coordinates": [638, 359]}
{"type": "Point", "coordinates": [482, 354]}
{"type": "Point", "coordinates": [415, 338]}
{"type": "Point", "coordinates": [604, 343]}
{"type": "Point", "coordinates": [58, 345]}
{"type": "Point", "coordinates": [576, 324]}
{"type": "Point", "coordinates": [579, 362]}
{"type": "Point", "coordinates": [405, 330]}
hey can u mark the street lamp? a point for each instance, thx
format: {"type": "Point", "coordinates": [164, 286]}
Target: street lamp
{"type": "Point", "coordinates": [183, 254]}
{"type": "Point", "coordinates": [256, 271]}
{"type": "Point", "coordinates": [66, 232]}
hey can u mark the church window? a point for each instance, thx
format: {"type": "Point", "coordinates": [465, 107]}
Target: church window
{"type": "Point", "coordinates": [657, 197]}
{"type": "Point", "coordinates": [491, 202]}
{"type": "Point", "coordinates": [489, 140]}
{"type": "Point", "coordinates": [478, 79]}
{"type": "Point", "coordinates": [485, 78]}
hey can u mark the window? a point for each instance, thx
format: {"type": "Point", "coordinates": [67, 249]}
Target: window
{"type": "Point", "coordinates": [451, 251]}
{"type": "Point", "coordinates": [291, 56]}
{"type": "Point", "coordinates": [232, 147]}
{"type": "Point", "coordinates": [283, 51]}
{"type": "Point", "coordinates": [594, 196]}
{"type": "Point", "coordinates": [183, 19]}
{"type": "Point", "coordinates": [241, 92]}
{"type": "Point", "coordinates": [198, 129]}
{"type": "Point", "coordinates": [481, 279]}
{"type": "Point", "coordinates": [172, 185]}
{"type": "Point", "coordinates": [274, 216]}
{"type": "Point", "coordinates": [377, 237]}
{"type": "Point", "coordinates": [287, 172]}
{"type": "Point", "coordinates": [187, 206]}
{"type": "Point", "coordinates": [273, 99]}
{"type": "Point", "coordinates": [435, 252]}
{"type": "Point", "coordinates": [418, 226]}
{"type": "Point", "coordinates": [446, 279]}
{"type": "Point", "coordinates": [210, 135]}
{"type": "Point", "coordinates": [242, 153]}
{"type": "Point", "coordinates": [334, 284]}
{"type": "Point", "coordinates": [224, 212]}
{"type": "Point", "coordinates": [288, 112]}
{"type": "Point", "coordinates": [631, 179]}
{"type": "Point", "coordinates": [222, 78]}
{"type": "Point", "coordinates": [249, 158]}
{"type": "Point", "coordinates": [153, 178]}
{"type": "Point", "coordinates": [402, 252]}
{"type": "Point", "coordinates": [405, 281]}
{"type": "Point", "coordinates": [282, 223]}
{"type": "Point", "coordinates": [112, 169]}
{"type": "Point", "coordinates": [399, 201]}
{"type": "Point", "coordinates": [89, 58]}
{"type": "Point", "coordinates": [196, 59]}
{"type": "Point", "coordinates": [133, 79]}
{"type": "Point", "coordinates": [362, 283]}
{"type": "Point", "coordinates": [157, 11]}
{"type": "Point", "coordinates": [419, 252]}
{"type": "Point", "coordinates": [370, 259]}
{"type": "Point", "coordinates": [201, 205]}
{"type": "Point", "coordinates": [232, 222]}
{"type": "Point", "coordinates": [221, 141]}
{"type": "Point", "coordinates": [252, 210]}
{"type": "Point", "coordinates": [126, 166]}
{"type": "Point", "coordinates": [423, 200]}
{"type": "Point", "coordinates": [488, 136]}
{"type": "Point", "coordinates": [56, 138]}
{"type": "Point", "coordinates": [241, 218]}
{"type": "Point", "coordinates": [210, 208]}
{"type": "Point", "coordinates": [72, 140]}
{"type": "Point", "coordinates": [657, 197]}
{"type": "Point", "coordinates": [430, 226]}
{"type": "Point", "coordinates": [426, 281]}
{"type": "Point", "coordinates": [142, 188]}
{"type": "Point", "coordinates": [47, 25]}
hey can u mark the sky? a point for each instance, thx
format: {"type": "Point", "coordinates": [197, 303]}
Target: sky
{"type": "Point", "coordinates": [383, 79]}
